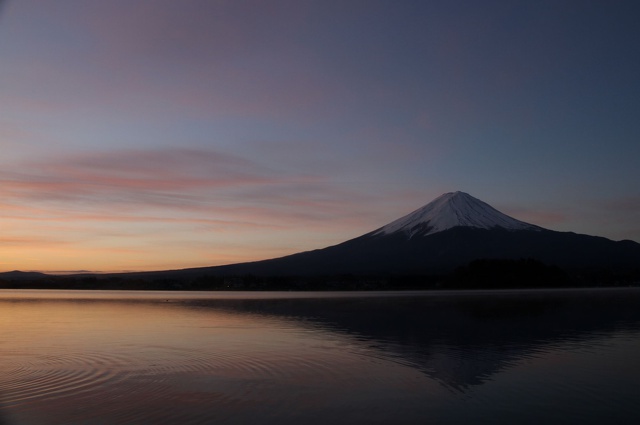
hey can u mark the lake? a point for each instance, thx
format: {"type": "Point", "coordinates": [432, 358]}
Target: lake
{"type": "Point", "coordinates": [469, 357]}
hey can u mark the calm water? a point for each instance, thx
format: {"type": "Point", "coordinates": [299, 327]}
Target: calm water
{"type": "Point", "coordinates": [537, 357]}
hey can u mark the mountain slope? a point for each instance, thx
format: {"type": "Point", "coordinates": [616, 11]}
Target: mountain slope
{"type": "Point", "coordinates": [446, 250]}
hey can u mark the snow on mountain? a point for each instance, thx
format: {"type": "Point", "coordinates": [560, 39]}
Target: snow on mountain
{"type": "Point", "coordinates": [451, 210]}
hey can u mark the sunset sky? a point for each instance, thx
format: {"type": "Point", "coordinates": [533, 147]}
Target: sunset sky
{"type": "Point", "coordinates": [157, 134]}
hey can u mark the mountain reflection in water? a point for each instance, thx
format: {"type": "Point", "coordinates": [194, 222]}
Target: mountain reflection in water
{"type": "Point", "coordinates": [462, 339]}
{"type": "Point", "coordinates": [74, 357]}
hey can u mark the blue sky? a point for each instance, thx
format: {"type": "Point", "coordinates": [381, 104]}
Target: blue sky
{"type": "Point", "coordinates": [159, 134]}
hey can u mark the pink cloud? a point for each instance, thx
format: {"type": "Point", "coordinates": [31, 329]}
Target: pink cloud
{"type": "Point", "coordinates": [173, 185]}
{"type": "Point", "coordinates": [25, 241]}
{"type": "Point", "coordinates": [131, 173]}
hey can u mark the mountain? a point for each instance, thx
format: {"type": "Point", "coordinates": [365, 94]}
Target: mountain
{"type": "Point", "coordinates": [19, 275]}
{"type": "Point", "coordinates": [456, 237]}
{"type": "Point", "coordinates": [449, 232]}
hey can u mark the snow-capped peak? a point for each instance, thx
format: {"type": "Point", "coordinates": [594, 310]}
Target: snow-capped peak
{"type": "Point", "coordinates": [451, 210]}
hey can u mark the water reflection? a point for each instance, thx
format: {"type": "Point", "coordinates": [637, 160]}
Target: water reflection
{"type": "Point", "coordinates": [114, 358]}
{"type": "Point", "coordinates": [462, 340]}
{"type": "Point", "coordinates": [135, 361]}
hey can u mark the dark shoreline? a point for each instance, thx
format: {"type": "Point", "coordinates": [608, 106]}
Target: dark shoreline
{"type": "Point", "coordinates": [253, 283]}
{"type": "Point", "coordinates": [478, 274]}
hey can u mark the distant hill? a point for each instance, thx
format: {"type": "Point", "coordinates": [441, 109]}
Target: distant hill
{"type": "Point", "coordinates": [18, 275]}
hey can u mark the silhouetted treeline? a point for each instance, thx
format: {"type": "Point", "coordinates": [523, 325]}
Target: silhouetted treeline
{"type": "Point", "coordinates": [478, 274]}
{"type": "Point", "coordinates": [501, 273]}
{"type": "Point", "coordinates": [345, 282]}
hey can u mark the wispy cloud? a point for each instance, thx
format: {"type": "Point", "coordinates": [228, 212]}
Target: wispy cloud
{"type": "Point", "coordinates": [26, 241]}
{"type": "Point", "coordinates": [171, 185]}
{"type": "Point", "coordinates": [169, 177]}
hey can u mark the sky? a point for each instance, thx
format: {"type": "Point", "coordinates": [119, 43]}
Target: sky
{"type": "Point", "coordinates": [157, 134]}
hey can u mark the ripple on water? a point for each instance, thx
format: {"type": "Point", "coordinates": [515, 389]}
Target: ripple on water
{"type": "Point", "coordinates": [150, 383]}
{"type": "Point", "coordinates": [33, 377]}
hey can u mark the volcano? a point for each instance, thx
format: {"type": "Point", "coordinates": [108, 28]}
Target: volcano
{"type": "Point", "coordinates": [449, 232]}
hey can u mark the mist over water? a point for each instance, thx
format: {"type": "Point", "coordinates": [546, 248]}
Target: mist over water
{"type": "Point", "coordinates": [275, 358]}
